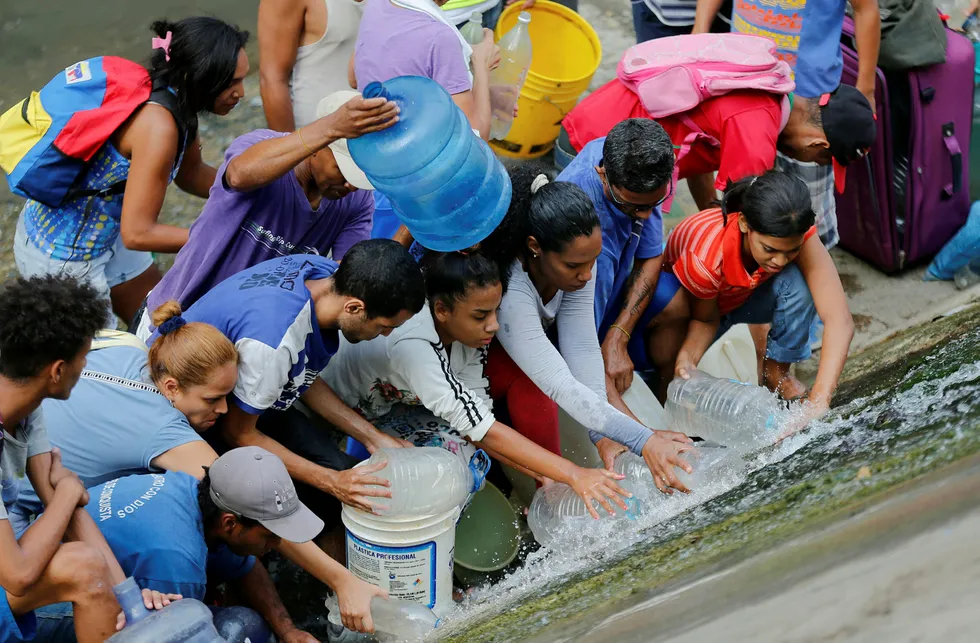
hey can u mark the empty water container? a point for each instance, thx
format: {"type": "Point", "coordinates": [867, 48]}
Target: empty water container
{"type": "Point", "coordinates": [183, 621]}
{"type": "Point", "coordinates": [556, 508]}
{"type": "Point", "coordinates": [710, 463]}
{"type": "Point", "coordinates": [443, 181]}
{"type": "Point", "coordinates": [404, 620]}
{"type": "Point", "coordinates": [738, 415]}
{"type": "Point", "coordinates": [473, 29]}
{"type": "Point", "coordinates": [428, 480]}
{"type": "Point", "coordinates": [508, 78]}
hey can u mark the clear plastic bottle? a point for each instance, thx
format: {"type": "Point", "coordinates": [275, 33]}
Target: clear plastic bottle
{"type": "Point", "coordinates": [508, 78]}
{"type": "Point", "coordinates": [404, 620]}
{"type": "Point", "coordinates": [427, 480]}
{"type": "Point", "coordinates": [740, 416]}
{"type": "Point", "coordinates": [968, 275]}
{"type": "Point", "coordinates": [473, 29]}
{"type": "Point", "coordinates": [709, 463]}
{"type": "Point", "coordinates": [557, 507]}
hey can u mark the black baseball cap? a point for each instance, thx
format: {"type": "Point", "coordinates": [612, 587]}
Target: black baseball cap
{"type": "Point", "coordinates": [850, 126]}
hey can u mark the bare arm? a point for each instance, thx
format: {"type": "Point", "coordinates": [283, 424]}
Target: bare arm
{"type": "Point", "coordinates": [701, 332]}
{"type": "Point", "coordinates": [151, 140]}
{"type": "Point", "coordinates": [264, 162]}
{"type": "Point", "coordinates": [404, 237]}
{"type": "Point", "coordinates": [22, 563]}
{"type": "Point", "coordinates": [351, 74]}
{"type": "Point", "coordinates": [81, 527]}
{"type": "Point", "coordinates": [280, 29]}
{"type": "Point", "coordinates": [190, 458]}
{"type": "Point", "coordinates": [828, 296]}
{"type": "Point", "coordinates": [640, 288]}
{"type": "Point", "coordinates": [260, 594]}
{"type": "Point", "coordinates": [706, 13]}
{"type": "Point", "coordinates": [476, 102]}
{"type": "Point", "coordinates": [195, 176]}
{"type": "Point", "coordinates": [867, 37]}
{"type": "Point", "coordinates": [322, 400]}
{"type": "Point", "coordinates": [353, 594]}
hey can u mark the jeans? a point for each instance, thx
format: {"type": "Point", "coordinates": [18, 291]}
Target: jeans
{"type": "Point", "coordinates": [786, 303]}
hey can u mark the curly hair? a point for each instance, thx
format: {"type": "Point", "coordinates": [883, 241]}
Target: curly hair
{"type": "Point", "coordinates": [44, 320]}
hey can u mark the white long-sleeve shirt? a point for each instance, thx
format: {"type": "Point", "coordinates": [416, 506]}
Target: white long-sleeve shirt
{"type": "Point", "coordinates": [574, 377]}
{"type": "Point", "coordinates": [411, 366]}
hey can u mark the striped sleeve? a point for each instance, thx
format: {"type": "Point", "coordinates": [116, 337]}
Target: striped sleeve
{"type": "Point", "coordinates": [698, 279]}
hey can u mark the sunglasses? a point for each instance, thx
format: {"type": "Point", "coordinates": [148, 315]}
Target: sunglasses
{"type": "Point", "coordinates": [635, 208]}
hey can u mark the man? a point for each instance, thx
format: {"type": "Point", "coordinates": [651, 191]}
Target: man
{"type": "Point", "coordinates": [664, 18]}
{"type": "Point", "coordinates": [738, 133]}
{"type": "Point", "coordinates": [304, 46]}
{"type": "Point", "coordinates": [46, 328]}
{"type": "Point", "coordinates": [283, 316]}
{"type": "Point", "coordinates": [627, 176]}
{"type": "Point", "coordinates": [245, 506]}
{"type": "Point", "coordinates": [278, 194]}
{"type": "Point", "coordinates": [817, 68]}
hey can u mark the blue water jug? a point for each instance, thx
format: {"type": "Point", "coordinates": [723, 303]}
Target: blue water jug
{"type": "Point", "coordinates": [184, 621]}
{"type": "Point", "coordinates": [443, 181]}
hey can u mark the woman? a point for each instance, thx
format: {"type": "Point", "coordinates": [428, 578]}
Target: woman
{"type": "Point", "coordinates": [136, 413]}
{"type": "Point", "coordinates": [757, 259]}
{"type": "Point", "coordinates": [550, 240]}
{"type": "Point", "coordinates": [427, 378]}
{"type": "Point", "coordinates": [107, 240]}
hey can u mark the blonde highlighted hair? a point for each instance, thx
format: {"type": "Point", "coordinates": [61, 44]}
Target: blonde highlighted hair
{"type": "Point", "coordinates": [190, 352]}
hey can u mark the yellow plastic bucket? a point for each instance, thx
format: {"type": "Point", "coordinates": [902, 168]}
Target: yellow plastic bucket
{"type": "Point", "coordinates": [566, 53]}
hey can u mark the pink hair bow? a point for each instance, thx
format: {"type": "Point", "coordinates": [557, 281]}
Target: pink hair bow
{"type": "Point", "coordinates": [163, 43]}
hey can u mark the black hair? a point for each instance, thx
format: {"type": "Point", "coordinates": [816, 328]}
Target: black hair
{"type": "Point", "coordinates": [555, 215]}
{"type": "Point", "coordinates": [43, 320]}
{"type": "Point", "coordinates": [382, 274]}
{"type": "Point", "coordinates": [203, 58]}
{"type": "Point", "coordinates": [638, 156]}
{"type": "Point", "coordinates": [210, 512]}
{"type": "Point", "coordinates": [450, 275]}
{"type": "Point", "coordinates": [776, 204]}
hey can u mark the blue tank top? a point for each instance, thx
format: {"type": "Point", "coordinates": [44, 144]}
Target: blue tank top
{"type": "Point", "coordinates": [83, 229]}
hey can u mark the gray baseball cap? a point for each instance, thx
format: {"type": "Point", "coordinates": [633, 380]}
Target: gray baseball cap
{"type": "Point", "coordinates": [251, 482]}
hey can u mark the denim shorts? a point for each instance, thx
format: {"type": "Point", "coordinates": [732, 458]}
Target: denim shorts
{"type": "Point", "coordinates": [117, 266]}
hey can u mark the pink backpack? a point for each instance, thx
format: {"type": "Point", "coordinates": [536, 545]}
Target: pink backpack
{"type": "Point", "coordinates": [675, 74]}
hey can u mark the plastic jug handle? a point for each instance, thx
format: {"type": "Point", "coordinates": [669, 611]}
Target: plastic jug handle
{"type": "Point", "coordinates": [376, 90]}
{"type": "Point", "coordinates": [479, 467]}
{"type": "Point", "coordinates": [130, 598]}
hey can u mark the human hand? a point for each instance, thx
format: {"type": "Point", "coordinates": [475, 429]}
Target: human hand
{"type": "Point", "coordinates": [384, 441]}
{"type": "Point", "coordinates": [809, 409]}
{"type": "Point", "coordinates": [486, 54]}
{"type": "Point", "coordinates": [298, 636]}
{"type": "Point", "coordinates": [60, 474]}
{"type": "Point", "coordinates": [615, 356]}
{"type": "Point", "coordinates": [152, 600]}
{"type": "Point", "coordinates": [598, 485]}
{"type": "Point", "coordinates": [356, 487]}
{"type": "Point", "coordinates": [354, 597]}
{"type": "Point", "coordinates": [360, 116]}
{"type": "Point", "coordinates": [608, 450]}
{"type": "Point", "coordinates": [676, 436]}
{"type": "Point", "coordinates": [683, 367]}
{"type": "Point", "coordinates": [869, 93]}
{"type": "Point", "coordinates": [661, 455]}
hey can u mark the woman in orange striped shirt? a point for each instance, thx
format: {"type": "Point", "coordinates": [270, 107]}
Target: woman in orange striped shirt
{"type": "Point", "coordinates": [757, 259]}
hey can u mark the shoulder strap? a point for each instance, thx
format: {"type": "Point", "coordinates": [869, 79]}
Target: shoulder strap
{"type": "Point", "coordinates": [163, 96]}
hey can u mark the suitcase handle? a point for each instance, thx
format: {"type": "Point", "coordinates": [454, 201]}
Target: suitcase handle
{"type": "Point", "coordinates": [956, 159]}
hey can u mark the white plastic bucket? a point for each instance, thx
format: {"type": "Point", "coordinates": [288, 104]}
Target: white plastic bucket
{"type": "Point", "coordinates": [411, 558]}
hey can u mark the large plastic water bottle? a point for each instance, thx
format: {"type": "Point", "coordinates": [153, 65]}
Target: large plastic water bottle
{"type": "Point", "coordinates": [443, 181]}
{"type": "Point", "coordinates": [741, 416]}
{"type": "Point", "coordinates": [508, 78]}
{"type": "Point", "coordinates": [556, 508]}
{"type": "Point", "coordinates": [473, 29]}
{"type": "Point", "coordinates": [428, 480]}
{"type": "Point", "coordinates": [183, 621]}
{"type": "Point", "coordinates": [405, 620]}
{"type": "Point", "coordinates": [708, 462]}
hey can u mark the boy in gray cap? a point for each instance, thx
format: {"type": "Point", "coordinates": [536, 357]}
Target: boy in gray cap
{"type": "Point", "coordinates": [171, 531]}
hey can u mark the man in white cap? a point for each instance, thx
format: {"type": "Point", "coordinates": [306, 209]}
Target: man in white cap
{"type": "Point", "coordinates": [176, 535]}
{"type": "Point", "coordinates": [278, 194]}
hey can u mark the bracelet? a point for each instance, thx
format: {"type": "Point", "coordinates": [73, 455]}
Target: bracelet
{"type": "Point", "coordinates": [618, 327]}
{"type": "Point", "coordinates": [300, 132]}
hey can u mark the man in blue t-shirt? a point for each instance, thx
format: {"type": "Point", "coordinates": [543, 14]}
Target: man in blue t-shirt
{"type": "Point", "coordinates": [283, 315]}
{"type": "Point", "coordinates": [177, 536]}
{"type": "Point", "coordinates": [627, 175]}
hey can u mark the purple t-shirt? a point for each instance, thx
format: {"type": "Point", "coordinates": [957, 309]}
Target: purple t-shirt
{"type": "Point", "coordinates": [237, 230]}
{"type": "Point", "coordinates": [394, 41]}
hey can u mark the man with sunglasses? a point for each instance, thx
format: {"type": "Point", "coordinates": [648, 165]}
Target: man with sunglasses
{"type": "Point", "coordinates": [627, 174]}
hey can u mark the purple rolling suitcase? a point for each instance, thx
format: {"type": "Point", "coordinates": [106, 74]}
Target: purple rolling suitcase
{"type": "Point", "coordinates": [903, 201]}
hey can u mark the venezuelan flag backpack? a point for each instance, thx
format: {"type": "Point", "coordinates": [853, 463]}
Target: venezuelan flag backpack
{"type": "Point", "coordinates": [47, 140]}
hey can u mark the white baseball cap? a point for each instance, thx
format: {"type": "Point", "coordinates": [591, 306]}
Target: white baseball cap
{"type": "Point", "coordinates": [348, 167]}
